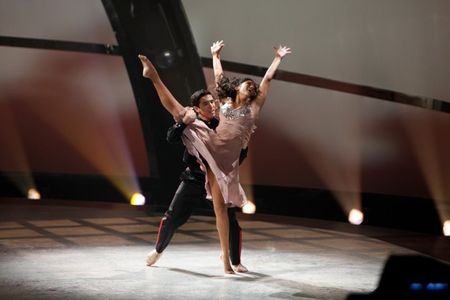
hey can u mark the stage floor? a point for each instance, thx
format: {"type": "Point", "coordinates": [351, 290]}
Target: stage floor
{"type": "Point", "coordinates": [82, 250]}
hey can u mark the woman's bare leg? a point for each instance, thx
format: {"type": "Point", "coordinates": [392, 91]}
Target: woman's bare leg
{"type": "Point", "coordinates": [167, 99]}
{"type": "Point", "coordinates": [222, 225]}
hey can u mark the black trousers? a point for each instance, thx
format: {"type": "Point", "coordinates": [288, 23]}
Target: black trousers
{"type": "Point", "coordinates": [188, 196]}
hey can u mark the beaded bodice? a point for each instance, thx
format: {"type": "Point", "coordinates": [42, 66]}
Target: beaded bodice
{"type": "Point", "coordinates": [231, 113]}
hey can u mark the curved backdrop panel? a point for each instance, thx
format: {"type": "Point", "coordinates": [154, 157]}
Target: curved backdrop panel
{"type": "Point", "coordinates": [72, 96]}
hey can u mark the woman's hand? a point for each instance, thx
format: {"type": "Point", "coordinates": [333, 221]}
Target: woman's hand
{"type": "Point", "coordinates": [216, 47]}
{"type": "Point", "coordinates": [282, 51]}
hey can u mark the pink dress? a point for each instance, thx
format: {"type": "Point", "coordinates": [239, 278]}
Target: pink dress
{"type": "Point", "coordinates": [221, 148]}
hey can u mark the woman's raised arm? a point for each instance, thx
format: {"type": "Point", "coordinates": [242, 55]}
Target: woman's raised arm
{"type": "Point", "coordinates": [280, 52]}
{"type": "Point", "coordinates": [217, 66]}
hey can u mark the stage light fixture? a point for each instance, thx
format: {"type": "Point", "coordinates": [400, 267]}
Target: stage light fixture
{"type": "Point", "coordinates": [33, 194]}
{"type": "Point", "coordinates": [165, 59]}
{"type": "Point", "coordinates": [249, 208]}
{"type": "Point", "coordinates": [355, 217]}
{"type": "Point", "coordinates": [137, 199]}
{"type": "Point", "coordinates": [446, 228]}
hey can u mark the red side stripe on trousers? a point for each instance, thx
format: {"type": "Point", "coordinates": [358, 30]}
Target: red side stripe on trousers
{"type": "Point", "coordinates": [159, 229]}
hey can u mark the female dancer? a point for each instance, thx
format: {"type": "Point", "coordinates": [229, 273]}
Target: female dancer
{"type": "Point", "coordinates": [218, 150]}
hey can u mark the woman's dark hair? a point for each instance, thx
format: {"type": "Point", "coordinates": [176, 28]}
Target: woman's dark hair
{"type": "Point", "coordinates": [196, 96]}
{"type": "Point", "coordinates": [226, 87]}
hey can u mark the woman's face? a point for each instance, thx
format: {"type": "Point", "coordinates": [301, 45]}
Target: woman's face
{"type": "Point", "coordinates": [248, 89]}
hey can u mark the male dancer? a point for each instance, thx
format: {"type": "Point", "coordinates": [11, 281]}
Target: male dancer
{"type": "Point", "coordinates": [192, 187]}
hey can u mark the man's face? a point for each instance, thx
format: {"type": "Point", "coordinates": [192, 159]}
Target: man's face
{"type": "Point", "coordinates": [206, 107]}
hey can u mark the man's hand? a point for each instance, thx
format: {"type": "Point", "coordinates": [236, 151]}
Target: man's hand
{"type": "Point", "coordinates": [189, 116]}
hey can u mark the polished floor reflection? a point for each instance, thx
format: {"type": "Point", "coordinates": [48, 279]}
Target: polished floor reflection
{"type": "Point", "coordinates": [62, 250]}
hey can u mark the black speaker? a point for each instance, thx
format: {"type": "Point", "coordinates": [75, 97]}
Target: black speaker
{"type": "Point", "coordinates": [411, 277]}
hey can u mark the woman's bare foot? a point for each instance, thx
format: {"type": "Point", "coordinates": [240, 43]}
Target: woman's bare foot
{"type": "Point", "coordinates": [148, 70]}
{"type": "Point", "coordinates": [240, 268]}
{"type": "Point", "coordinates": [153, 257]}
{"type": "Point", "coordinates": [226, 265]}
{"type": "Point", "coordinates": [227, 269]}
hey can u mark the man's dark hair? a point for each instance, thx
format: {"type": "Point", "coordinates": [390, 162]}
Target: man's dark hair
{"type": "Point", "coordinates": [196, 96]}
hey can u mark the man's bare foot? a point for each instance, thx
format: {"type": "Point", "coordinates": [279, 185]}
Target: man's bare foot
{"type": "Point", "coordinates": [153, 257]}
{"type": "Point", "coordinates": [240, 268]}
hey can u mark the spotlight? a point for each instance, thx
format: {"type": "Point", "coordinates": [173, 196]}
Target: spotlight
{"type": "Point", "coordinates": [137, 199]}
{"type": "Point", "coordinates": [355, 217]}
{"type": "Point", "coordinates": [33, 194]}
{"type": "Point", "coordinates": [165, 59]}
{"type": "Point", "coordinates": [249, 208]}
{"type": "Point", "coordinates": [446, 228]}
